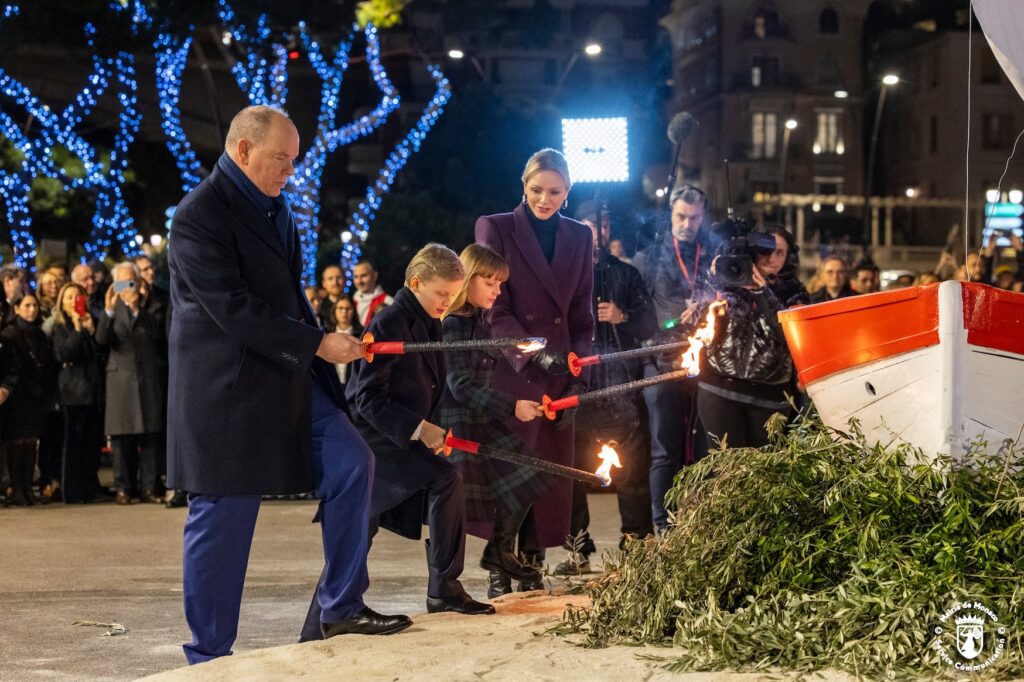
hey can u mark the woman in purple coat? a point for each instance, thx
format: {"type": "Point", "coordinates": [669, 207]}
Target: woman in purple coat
{"type": "Point", "coordinates": [548, 293]}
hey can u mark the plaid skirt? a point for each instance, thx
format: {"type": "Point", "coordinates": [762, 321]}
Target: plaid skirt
{"type": "Point", "coordinates": [493, 485]}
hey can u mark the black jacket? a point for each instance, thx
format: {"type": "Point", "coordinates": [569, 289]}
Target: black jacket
{"type": "Point", "coordinates": [79, 379]}
{"type": "Point", "coordinates": [622, 284]}
{"type": "Point", "coordinates": [749, 354]}
{"type": "Point", "coordinates": [389, 397]}
{"type": "Point", "coordinates": [33, 391]}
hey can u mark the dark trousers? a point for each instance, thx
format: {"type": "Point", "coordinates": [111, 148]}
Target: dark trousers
{"type": "Point", "coordinates": [81, 454]}
{"type": "Point", "coordinates": [677, 437]}
{"type": "Point", "coordinates": [51, 444]}
{"type": "Point", "coordinates": [399, 476]}
{"type": "Point", "coordinates": [218, 535]}
{"type": "Point", "coordinates": [135, 465]}
{"type": "Point", "coordinates": [632, 487]}
{"type": "Point", "coordinates": [741, 425]}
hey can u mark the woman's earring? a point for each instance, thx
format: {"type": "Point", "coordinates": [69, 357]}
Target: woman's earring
{"type": "Point", "coordinates": [524, 198]}
{"type": "Point", "coordinates": [565, 204]}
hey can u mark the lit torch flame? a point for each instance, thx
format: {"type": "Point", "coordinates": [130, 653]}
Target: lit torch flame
{"type": "Point", "coordinates": [609, 458]}
{"type": "Point", "coordinates": [704, 335]}
{"type": "Point", "coordinates": [531, 345]}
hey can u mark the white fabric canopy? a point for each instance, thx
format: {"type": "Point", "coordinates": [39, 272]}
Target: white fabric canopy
{"type": "Point", "coordinates": [1003, 24]}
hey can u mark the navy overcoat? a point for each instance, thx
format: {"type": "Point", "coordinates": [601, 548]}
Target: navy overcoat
{"type": "Point", "coordinates": [552, 300]}
{"type": "Point", "coordinates": [389, 398]}
{"type": "Point", "coordinates": [242, 351]}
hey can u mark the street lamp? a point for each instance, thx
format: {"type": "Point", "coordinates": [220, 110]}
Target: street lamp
{"type": "Point", "coordinates": [456, 53]}
{"type": "Point", "coordinates": [841, 94]}
{"type": "Point", "coordinates": [888, 80]}
{"type": "Point", "coordinates": [591, 49]}
{"type": "Point", "coordinates": [791, 125]}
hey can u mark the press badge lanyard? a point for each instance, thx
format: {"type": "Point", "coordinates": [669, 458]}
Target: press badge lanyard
{"type": "Point", "coordinates": [682, 266]}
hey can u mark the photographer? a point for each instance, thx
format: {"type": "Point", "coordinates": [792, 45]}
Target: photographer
{"type": "Point", "coordinates": [747, 371]}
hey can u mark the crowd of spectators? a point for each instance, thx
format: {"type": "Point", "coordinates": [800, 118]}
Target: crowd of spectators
{"type": "Point", "coordinates": [83, 363]}
{"type": "Point", "coordinates": [83, 377]}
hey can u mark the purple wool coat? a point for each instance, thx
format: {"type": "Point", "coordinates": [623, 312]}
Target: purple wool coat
{"type": "Point", "coordinates": [550, 300]}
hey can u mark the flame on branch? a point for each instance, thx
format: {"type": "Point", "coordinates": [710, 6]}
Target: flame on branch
{"type": "Point", "coordinates": [704, 335]}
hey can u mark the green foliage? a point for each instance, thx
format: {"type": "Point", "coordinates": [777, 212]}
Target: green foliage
{"type": "Point", "coordinates": [818, 552]}
{"type": "Point", "coordinates": [380, 13]}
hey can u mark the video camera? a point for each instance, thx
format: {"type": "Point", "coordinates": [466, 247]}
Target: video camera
{"type": "Point", "coordinates": [740, 246]}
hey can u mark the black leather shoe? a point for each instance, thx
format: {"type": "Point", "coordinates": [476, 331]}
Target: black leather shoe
{"type": "Point", "coordinates": [366, 622]}
{"type": "Point", "coordinates": [498, 559]}
{"type": "Point", "coordinates": [461, 603]}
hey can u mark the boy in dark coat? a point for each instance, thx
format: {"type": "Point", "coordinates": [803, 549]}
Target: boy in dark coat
{"type": "Point", "coordinates": [393, 400]}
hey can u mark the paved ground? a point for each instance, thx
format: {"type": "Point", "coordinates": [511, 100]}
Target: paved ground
{"type": "Point", "coordinates": [111, 564]}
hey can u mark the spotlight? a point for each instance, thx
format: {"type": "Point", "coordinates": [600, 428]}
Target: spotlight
{"type": "Point", "coordinates": [992, 196]}
{"type": "Point", "coordinates": [456, 53]}
{"type": "Point", "coordinates": [791, 124]}
{"type": "Point", "coordinates": [1016, 196]}
{"type": "Point", "coordinates": [890, 79]}
{"type": "Point", "coordinates": [597, 149]}
{"type": "Point", "coordinates": [592, 49]}
{"type": "Point", "coordinates": [841, 94]}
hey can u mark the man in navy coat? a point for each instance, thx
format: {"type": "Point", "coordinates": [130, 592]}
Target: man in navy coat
{"type": "Point", "coordinates": [254, 407]}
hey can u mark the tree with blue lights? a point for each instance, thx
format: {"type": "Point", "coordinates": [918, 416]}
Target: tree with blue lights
{"type": "Point", "coordinates": [35, 150]}
{"type": "Point", "coordinates": [260, 71]}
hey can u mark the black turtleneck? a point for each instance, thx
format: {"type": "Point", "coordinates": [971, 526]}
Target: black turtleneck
{"type": "Point", "coordinates": [545, 231]}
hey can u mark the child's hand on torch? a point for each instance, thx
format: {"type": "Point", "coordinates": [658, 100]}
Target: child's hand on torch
{"type": "Point", "coordinates": [527, 410]}
{"type": "Point", "coordinates": [432, 436]}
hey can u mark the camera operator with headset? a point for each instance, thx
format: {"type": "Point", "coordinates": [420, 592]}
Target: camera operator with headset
{"type": "Point", "coordinates": [747, 373]}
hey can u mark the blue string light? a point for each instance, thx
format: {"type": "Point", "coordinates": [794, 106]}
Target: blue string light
{"type": "Point", "coordinates": [111, 220]}
{"type": "Point", "coordinates": [261, 73]}
{"type": "Point", "coordinates": [359, 225]}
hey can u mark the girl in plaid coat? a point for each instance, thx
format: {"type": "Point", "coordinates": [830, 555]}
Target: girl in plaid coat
{"type": "Point", "coordinates": [498, 494]}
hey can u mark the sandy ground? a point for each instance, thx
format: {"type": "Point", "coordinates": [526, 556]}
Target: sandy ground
{"type": "Point", "coordinates": [513, 644]}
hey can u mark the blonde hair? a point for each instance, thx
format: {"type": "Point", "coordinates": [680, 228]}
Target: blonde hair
{"type": "Point", "coordinates": [432, 261]}
{"type": "Point", "coordinates": [478, 261]}
{"type": "Point", "coordinates": [547, 159]}
{"type": "Point", "coordinates": [58, 307]}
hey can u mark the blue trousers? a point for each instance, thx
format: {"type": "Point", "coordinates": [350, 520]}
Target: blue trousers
{"type": "Point", "coordinates": [218, 535]}
{"type": "Point", "coordinates": [677, 438]}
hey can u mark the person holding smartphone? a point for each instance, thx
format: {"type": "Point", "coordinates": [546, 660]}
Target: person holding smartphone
{"type": "Point", "coordinates": [79, 391]}
{"type": "Point", "coordinates": [136, 386]}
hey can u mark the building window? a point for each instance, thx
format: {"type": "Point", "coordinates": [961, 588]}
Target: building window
{"type": "Point", "coordinates": [996, 131]}
{"type": "Point", "coordinates": [766, 23]}
{"type": "Point", "coordinates": [829, 139]}
{"type": "Point", "coordinates": [764, 133]}
{"type": "Point", "coordinates": [764, 71]}
{"type": "Point", "coordinates": [990, 70]}
{"type": "Point", "coordinates": [828, 21]}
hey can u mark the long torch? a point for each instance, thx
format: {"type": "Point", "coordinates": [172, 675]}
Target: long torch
{"type": "Point", "coordinates": [700, 338]}
{"type": "Point", "coordinates": [551, 407]}
{"type": "Point", "coordinates": [474, 448]}
{"type": "Point", "coordinates": [576, 363]}
{"type": "Point", "coordinates": [372, 347]}
{"type": "Point", "coordinates": [690, 363]}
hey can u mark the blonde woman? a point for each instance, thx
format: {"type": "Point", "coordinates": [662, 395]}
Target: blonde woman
{"type": "Point", "coordinates": [551, 279]}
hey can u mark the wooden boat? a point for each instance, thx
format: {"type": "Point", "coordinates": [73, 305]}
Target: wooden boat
{"type": "Point", "coordinates": [939, 366]}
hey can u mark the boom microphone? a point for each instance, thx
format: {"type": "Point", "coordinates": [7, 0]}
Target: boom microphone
{"type": "Point", "coordinates": [681, 126]}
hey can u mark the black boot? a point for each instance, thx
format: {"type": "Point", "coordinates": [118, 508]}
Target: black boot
{"type": "Point", "coordinates": [499, 555]}
{"type": "Point", "coordinates": [534, 558]}
{"type": "Point", "coordinates": [498, 584]}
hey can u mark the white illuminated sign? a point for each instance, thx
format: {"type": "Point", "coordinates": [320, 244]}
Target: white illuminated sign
{"type": "Point", "coordinates": [596, 148]}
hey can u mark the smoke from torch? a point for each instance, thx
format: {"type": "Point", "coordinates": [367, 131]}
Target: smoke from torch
{"type": "Point", "coordinates": [609, 458]}
{"type": "Point", "coordinates": [704, 335]}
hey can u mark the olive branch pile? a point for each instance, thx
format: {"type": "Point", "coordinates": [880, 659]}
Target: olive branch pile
{"type": "Point", "coordinates": [819, 552]}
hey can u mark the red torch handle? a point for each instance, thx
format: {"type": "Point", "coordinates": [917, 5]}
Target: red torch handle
{"type": "Point", "coordinates": [388, 347]}
{"type": "Point", "coordinates": [576, 363]}
{"type": "Point", "coordinates": [551, 407]}
{"type": "Point", "coordinates": [453, 443]}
